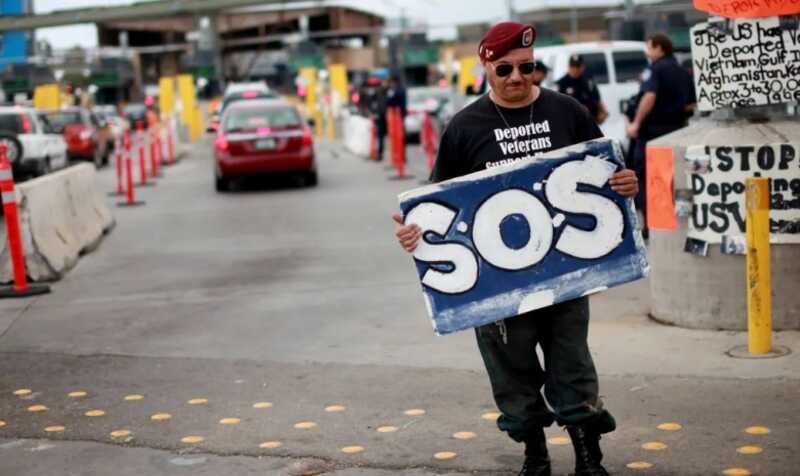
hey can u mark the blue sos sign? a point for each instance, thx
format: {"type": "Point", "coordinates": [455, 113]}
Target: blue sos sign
{"type": "Point", "coordinates": [511, 239]}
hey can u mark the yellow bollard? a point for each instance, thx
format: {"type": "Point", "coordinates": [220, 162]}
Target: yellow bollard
{"type": "Point", "coordinates": [318, 126]}
{"type": "Point", "coordinates": [330, 124]}
{"type": "Point", "coordinates": [759, 288]}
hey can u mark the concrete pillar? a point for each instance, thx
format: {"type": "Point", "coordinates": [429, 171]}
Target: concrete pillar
{"type": "Point", "coordinates": [710, 292]}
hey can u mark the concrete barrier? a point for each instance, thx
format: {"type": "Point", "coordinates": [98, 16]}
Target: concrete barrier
{"type": "Point", "coordinates": [62, 215]}
{"type": "Point", "coordinates": [357, 135]}
{"type": "Point", "coordinates": [710, 292]}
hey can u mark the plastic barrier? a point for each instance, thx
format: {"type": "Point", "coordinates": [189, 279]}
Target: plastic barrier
{"type": "Point", "coordinates": [356, 135]}
{"type": "Point", "coordinates": [428, 138]}
{"type": "Point", "coordinates": [21, 288]}
{"type": "Point", "coordinates": [142, 160]}
{"type": "Point", "coordinates": [398, 142]}
{"type": "Point", "coordinates": [61, 215]}
{"type": "Point", "coordinates": [130, 190]}
{"type": "Point", "coordinates": [373, 142]}
{"type": "Point", "coordinates": [119, 165]}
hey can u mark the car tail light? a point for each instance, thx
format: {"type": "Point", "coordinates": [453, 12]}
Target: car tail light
{"type": "Point", "coordinates": [221, 144]}
{"type": "Point", "coordinates": [308, 138]}
{"type": "Point", "coordinates": [355, 98]}
{"type": "Point", "coordinates": [26, 124]}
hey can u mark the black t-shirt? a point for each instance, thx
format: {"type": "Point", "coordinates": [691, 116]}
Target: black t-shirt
{"type": "Point", "coordinates": [673, 88]}
{"type": "Point", "coordinates": [478, 137]}
{"type": "Point", "coordinates": [583, 89]}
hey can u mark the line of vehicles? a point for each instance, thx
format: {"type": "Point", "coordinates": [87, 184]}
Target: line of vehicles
{"type": "Point", "coordinates": [41, 141]}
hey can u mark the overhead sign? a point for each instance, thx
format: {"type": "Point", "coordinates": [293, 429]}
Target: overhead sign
{"type": "Point", "coordinates": [748, 8]}
{"type": "Point", "coordinates": [717, 179]}
{"type": "Point", "coordinates": [755, 63]}
{"type": "Point", "coordinates": [523, 236]}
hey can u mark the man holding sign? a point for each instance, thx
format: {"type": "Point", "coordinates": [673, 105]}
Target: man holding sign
{"type": "Point", "coordinates": [519, 121]}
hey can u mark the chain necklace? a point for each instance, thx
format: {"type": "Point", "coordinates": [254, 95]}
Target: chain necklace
{"type": "Point", "coordinates": [496, 108]}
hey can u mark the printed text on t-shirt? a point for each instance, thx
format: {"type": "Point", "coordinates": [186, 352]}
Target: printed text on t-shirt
{"type": "Point", "coordinates": [522, 142]}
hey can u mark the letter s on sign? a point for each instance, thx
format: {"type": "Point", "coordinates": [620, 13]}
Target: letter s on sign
{"type": "Point", "coordinates": [436, 218]}
{"type": "Point", "coordinates": [562, 192]}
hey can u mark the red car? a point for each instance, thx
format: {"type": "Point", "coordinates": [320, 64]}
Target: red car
{"type": "Point", "coordinates": [84, 133]}
{"type": "Point", "coordinates": [263, 136]}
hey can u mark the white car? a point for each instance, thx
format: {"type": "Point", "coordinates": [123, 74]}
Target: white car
{"type": "Point", "coordinates": [34, 149]}
{"type": "Point", "coordinates": [616, 67]}
{"type": "Point", "coordinates": [439, 102]}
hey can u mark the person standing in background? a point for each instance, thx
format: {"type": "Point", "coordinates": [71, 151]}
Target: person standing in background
{"type": "Point", "coordinates": [579, 85]}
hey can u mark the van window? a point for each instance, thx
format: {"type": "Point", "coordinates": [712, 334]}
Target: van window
{"type": "Point", "coordinates": [596, 67]}
{"type": "Point", "coordinates": [629, 65]}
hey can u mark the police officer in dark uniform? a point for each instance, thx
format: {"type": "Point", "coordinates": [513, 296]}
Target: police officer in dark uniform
{"type": "Point", "coordinates": [540, 71]}
{"type": "Point", "coordinates": [579, 85]}
{"type": "Point", "coordinates": [667, 98]}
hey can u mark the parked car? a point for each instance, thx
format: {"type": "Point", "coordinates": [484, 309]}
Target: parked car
{"type": "Point", "coordinates": [616, 67]}
{"type": "Point", "coordinates": [34, 149]}
{"type": "Point", "coordinates": [440, 102]}
{"type": "Point", "coordinates": [264, 136]}
{"type": "Point", "coordinates": [83, 132]}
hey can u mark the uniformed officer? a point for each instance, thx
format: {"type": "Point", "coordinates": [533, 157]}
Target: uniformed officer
{"type": "Point", "coordinates": [667, 98]}
{"type": "Point", "coordinates": [579, 85]}
{"type": "Point", "coordinates": [540, 71]}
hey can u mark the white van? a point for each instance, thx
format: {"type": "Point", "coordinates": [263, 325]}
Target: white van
{"type": "Point", "coordinates": [615, 66]}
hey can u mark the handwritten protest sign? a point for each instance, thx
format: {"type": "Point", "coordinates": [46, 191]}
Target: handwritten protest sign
{"type": "Point", "coordinates": [748, 8]}
{"type": "Point", "coordinates": [717, 180]}
{"type": "Point", "coordinates": [523, 236]}
{"type": "Point", "coordinates": [755, 63]}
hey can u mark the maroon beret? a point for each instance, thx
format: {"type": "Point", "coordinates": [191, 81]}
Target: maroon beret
{"type": "Point", "coordinates": [504, 37]}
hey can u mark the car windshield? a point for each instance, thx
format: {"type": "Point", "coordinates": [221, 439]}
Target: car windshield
{"type": "Point", "coordinates": [253, 119]}
{"type": "Point", "coordinates": [244, 96]}
{"type": "Point", "coordinates": [59, 120]}
{"type": "Point", "coordinates": [422, 95]}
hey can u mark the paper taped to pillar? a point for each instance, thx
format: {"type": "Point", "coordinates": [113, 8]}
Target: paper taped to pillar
{"type": "Point", "coordinates": [717, 178]}
{"type": "Point", "coordinates": [523, 236]}
{"type": "Point", "coordinates": [755, 63]}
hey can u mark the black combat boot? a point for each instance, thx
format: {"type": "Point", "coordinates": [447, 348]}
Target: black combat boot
{"type": "Point", "coordinates": [537, 462]}
{"type": "Point", "coordinates": [587, 452]}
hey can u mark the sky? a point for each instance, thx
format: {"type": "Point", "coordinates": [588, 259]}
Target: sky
{"type": "Point", "coordinates": [440, 14]}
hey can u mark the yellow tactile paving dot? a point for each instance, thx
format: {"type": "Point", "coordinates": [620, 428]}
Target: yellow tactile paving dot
{"type": "Point", "coordinates": [670, 426]}
{"type": "Point", "coordinates": [559, 440]}
{"type": "Point", "coordinates": [262, 405]}
{"type": "Point", "coordinates": [757, 430]}
{"type": "Point", "coordinates": [750, 450]}
{"type": "Point", "coordinates": [192, 440]}
{"type": "Point", "coordinates": [134, 398]}
{"type": "Point", "coordinates": [77, 394]}
{"type": "Point", "coordinates": [351, 450]}
{"type": "Point", "coordinates": [654, 446]}
{"type": "Point", "coordinates": [736, 472]}
{"type": "Point", "coordinates": [55, 429]}
{"type": "Point", "coordinates": [414, 412]}
{"type": "Point", "coordinates": [198, 401]}
{"type": "Point", "coordinates": [305, 425]}
{"type": "Point", "coordinates": [23, 392]}
{"type": "Point", "coordinates": [37, 408]}
{"type": "Point", "coordinates": [387, 429]}
{"type": "Point", "coordinates": [639, 465]}
{"type": "Point", "coordinates": [95, 413]}
{"type": "Point", "coordinates": [230, 421]}
{"type": "Point", "coordinates": [270, 445]}
{"type": "Point", "coordinates": [445, 455]}
{"type": "Point", "coordinates": [161, 417]}
{"type": "Point", "coordinates": [335, 408]}
{"type": "Point", "coordinates": [490, 416]}
{"type": "Point", "coordinates": [464, 435]}
{"type": "Point", "coordinates": [120, 434]}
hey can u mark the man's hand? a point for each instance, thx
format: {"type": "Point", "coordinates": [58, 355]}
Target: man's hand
{"type": "Point", "coordinates": [633, 130]}
{"type": "Point", "coordinates": [407, 235]}
{"type": "Point", "coordinates": [625, 183]}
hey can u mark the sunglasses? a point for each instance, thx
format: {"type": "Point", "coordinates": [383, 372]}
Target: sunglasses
{"type": "Point", "coordinates": [504, 69]}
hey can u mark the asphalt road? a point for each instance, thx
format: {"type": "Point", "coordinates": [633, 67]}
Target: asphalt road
{"type": "Point", "coordinates": [288, 315]}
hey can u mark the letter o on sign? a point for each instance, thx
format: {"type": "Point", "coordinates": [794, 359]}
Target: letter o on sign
{"type": "Point", "coordinates": [487, 236]}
